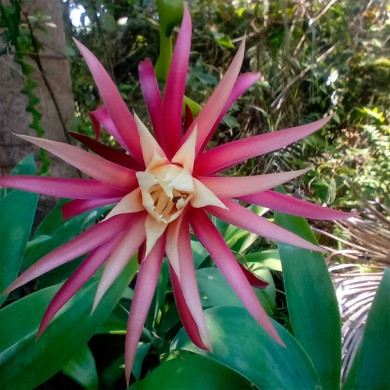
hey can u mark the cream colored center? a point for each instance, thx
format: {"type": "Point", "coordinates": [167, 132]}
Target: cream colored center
{"type": "Point", "coordinates": [166, 190]}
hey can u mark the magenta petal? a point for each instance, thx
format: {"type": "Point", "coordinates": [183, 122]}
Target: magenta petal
{"type": "Point", "coordinates": [83, 273]}
{"type": "Point", "coordinates": [119, 113]}
{"type": "Point", "coordinates": [205, 121]}
{"type": "Point", "coordinates": [241, 217]}
{"type": "Point", "coordinates": [231, 187]}
{"type": "Point", "coordinates": [225, 156]}
{"type": "Point", "coordinates": [143, 296]}
{"type": "Point", "coordinates": [211, 239]}
{"type": "Point", "coordinates": [92, 238]}
{"type": "Point", "coordinates": [107, 152]}
{"type": "Point", "coordinates": [174, 89]}
{"type": "Point", "coordinates": [152, 97]}
{"type": "Point", "coordinates": [91, 164]}
{"type": "Point", "coordinates": [253, 279]}
{"type": "Point", "coordinates": [185, 314]}
{"type": "Point", "coordinates": [65, 188]}
{"type": "Point", "coordinates": [79, 206]}
{"type": "Point", "coordinates": [290, 205]}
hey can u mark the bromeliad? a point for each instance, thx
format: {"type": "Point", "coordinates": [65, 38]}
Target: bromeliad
{"type": "Point", "coordinates": [162, 186]}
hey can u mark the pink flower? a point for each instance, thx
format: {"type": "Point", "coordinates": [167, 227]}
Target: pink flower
{"type": "Point", "coordinates": [162, 186]}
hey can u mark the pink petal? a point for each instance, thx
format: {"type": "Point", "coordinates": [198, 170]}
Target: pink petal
{"type": "Point", "coordinates": [175, 85]}
{"type": "Point", "coordinates": [107, 152]}
{"type": "Point", "coordinates": [241, 217]}
{"type": "Point", "coordinates": [92, 238]}
{"type": "Point", "coordinates": [188, 119]}
{"type": "Point", "coordinates": [121, 117]}
{"type": "Point", "coordinates": [65, 188]}
{"type": "Point", "coordinates": [83, 273]}
{"type": "Point", "coordinates": [253, 279]}
{"type": "Point", "coordinates": [229, 187]}
{"type": "Point", "coordinates": [79, 206]}
{"type": "Point", "coordinates": [94, 166]}
{"type": "Point", "coordinates": [216, 103]}
{"type": "Point", "coordinates": [290, 205]}
{"type": "Point", "coordinates": [225, 156]}
{"type": "Point", "coordinates": [185, 314]}
{"type": "Point", "coordinates": [243, 83]}
{"type": "Point", "coordinates": [211, 239]}
{"type": "Point", "coordinates": [152, 97]}
{"type": "Point", "coordinates": [143, 296]}
{"type": "Point", "coordinates": [130, 242]}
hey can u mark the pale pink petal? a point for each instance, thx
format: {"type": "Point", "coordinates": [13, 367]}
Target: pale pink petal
{"type": "Point", "coordinates": [93, 165]}
{"type": "Point", "coordinates": [241, 217]}
{"type": "Point", "coordinates": [186, 317]}
{"type": "Point", "coordinates": [171, 247]}
{"type": "Point", "coordinates": [131, 240]}
{"type": "Point", "coordinates": [186, 154]}
{"type": "Point", "coordinates": [227, 155]}
{"type": "Point", "coordinates": [114, 155]}
{"type": "Point", "coordinates": [230, 187]}
{"type": "Point", "coordinates": [211, 239]}
{"type": "Point", "coordinates": [175, 85]}
{"type": "Point", "coordinates": [85, 242]}
{"type": "Point", "coordinates": [204, 197]}
{"type": "Point", "coordinates": [143, 296]}
{"type": "Point", "coordinates": [119, 113]}
{"type": "Point", "coordinates": [243, 82]}
{"type": "Point", "coordinates": [216, 103]}
{"type": "Point", "coordinates": [152, 96]}
{"type": "Point", "coordinates": [290, 205]}
{"type": "Point", "coordinates": [79, 206]}
{"type": "Point", "coordinates": [131, 203]}
{"type": "Point", "coordinates": [154, 230]}
{"type": "Point", "coordinates": [83, 273]}
{"type": "Point", "coordinates": [64, 188]}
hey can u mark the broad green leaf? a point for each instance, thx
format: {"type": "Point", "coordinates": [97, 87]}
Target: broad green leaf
{"type": "Point", "coordinates": [17, 210]}
{"type": "Point", "coordinates": [142, 351]}
{"type": "Point", "coordinates": [311, 302]}
{"type": "Point", "coordinates": [191, 372]}
{"type": "Point", "coordinates": [199, 253]}
{"type": "Point", "coordinates": [370, 368]}
{"type": "Point", "coordinates": [82, 369]}
{"type": "Point", "coordinates": [269, 258]}
{"type": "Point", "coordinates": [25, 362]}
{"type": "Point", "coordinates": [240, 343]}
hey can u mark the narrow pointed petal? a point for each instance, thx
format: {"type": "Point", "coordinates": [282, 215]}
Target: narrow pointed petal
{"type": "Point", "coordinates": [211, 239]}
{"type": "Point", "coordinates": [171, 247]}
{"type": "Point", "coordinates": [107, 152]}
{"type": "Point", "coordinates": [204, 197]}
{"type": "Point", "coordinates": [150, 148]}
{"type": "Point", "coordinates": [290, 205]}
{"type": "Point", "coordinates": [242, 84]}
{"type": "Point", "coordinates": [152, 96]}
{"type": "Point", "coordinates": [228, 155]}
{"type": "Point", "coordinates": [185, 314]}
{"type": "Point", "coordinates": [143, 296]}
{"type": "Point", "coordinates": [189, 118]}
{"type": "Point", "coordinates": [253, 280]}
{"type": "Point", "coordinates": [77, 280]}
{"type": "Point", "coordinates": [154, 230]}
{"type": "Point", "coordinates": [230, 187]}
{"type": "Point", "coordinates": [216, 103]}
{"type": "Point", "coordinates": [79, 206]}
{"type": "Point", "coordinates": [116, 107]}
{"type": "Point", "coordinates": [131, 203]}
{"type": "Point", "coordinates": [241, 217]}
{"type": "Point", "coordinates": [64, 188]}
{"type": "Point", "coordinates": [186, 154]}
{"type": "Point", "coordinates": [85, 242]}
{"type": "Point", "coordinates": [94, 166]}
{"type": "Point", "coordinates": [174, 89]}
{"type": "Point", "coordinates": [131, 240]}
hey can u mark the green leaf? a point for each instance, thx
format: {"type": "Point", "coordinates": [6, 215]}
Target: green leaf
{"type": "Point", "coordinates": [191, 372]}
{"type": "Point", "coordinates": [370, 367]}
{"type": "Point", "coordinates": [17, 210]}
{"type": "Point", "coordinates": [25, 362]}
{"type": "Point", "coordinates": [311, 302]}
{"type": "Point", "coordinates": [240, 343]}
{"type": "Point", "coordinates": [82, 369]}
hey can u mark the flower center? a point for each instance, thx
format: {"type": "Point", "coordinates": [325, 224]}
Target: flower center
{"type": "Point", "coordinates": [166, 190]}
